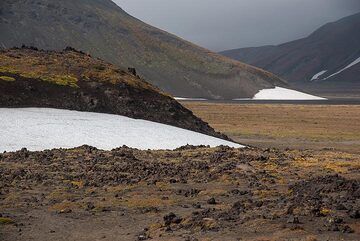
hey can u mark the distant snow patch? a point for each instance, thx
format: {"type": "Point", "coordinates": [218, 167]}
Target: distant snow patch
{"type": "Point", "coordinates": [192, 99]}
{"type": "Point", "coordinates": [316, 76]}
{"type": "Point", "coordinates": [279, 93]}
{"type": "Point", "coordinates": [356, 61]}
{"type": "Point", "coordinates": [43, 128]}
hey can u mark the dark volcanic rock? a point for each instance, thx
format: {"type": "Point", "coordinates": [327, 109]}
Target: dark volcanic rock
{"type": "Point", "coordinates": [293, 219]}
{"type": "Point", "coordinates": [211, 201]}
{"type": "Point", "coordinates": [171, 218]}
{"type": "Point", "coordinates": [134, 185]}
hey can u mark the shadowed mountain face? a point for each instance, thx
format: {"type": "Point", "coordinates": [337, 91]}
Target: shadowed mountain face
{"type": "Point", "coordinates": [331, 48]}
{"type": "Point", "coordinates": [104, 30]}
{"type": "Point", "coordinates": [76, 81]}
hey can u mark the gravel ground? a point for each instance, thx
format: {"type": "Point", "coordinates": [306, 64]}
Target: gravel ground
{"type": "Point", "coordinates": [191, 193]}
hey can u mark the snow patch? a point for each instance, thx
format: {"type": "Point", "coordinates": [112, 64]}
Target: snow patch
{"type": "Point", "coordinates": [44, 128]}
{"type": "Point", "coordinates": [316, 76]}
{"type": "Point", "coordinates": [356, 61]}
{"type": "Point", "coordinates": [279, 93]}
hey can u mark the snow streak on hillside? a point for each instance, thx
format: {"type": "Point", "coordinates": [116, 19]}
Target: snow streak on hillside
{"type": "Point", "coordinates": [316, 76]}
{"type": "Point", "coordinates": [43, 128]}
{"type": "Point", "coordinates": [355, 62]}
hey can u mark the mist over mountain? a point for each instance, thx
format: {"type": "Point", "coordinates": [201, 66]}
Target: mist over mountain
{"type": "Point", "coordinates": [228, 24]}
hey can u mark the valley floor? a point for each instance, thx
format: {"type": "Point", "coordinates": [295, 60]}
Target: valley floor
{"type": "Point", "coordinates": [308, 188]}
{"type": "Point", "coordinates": [298, 126]}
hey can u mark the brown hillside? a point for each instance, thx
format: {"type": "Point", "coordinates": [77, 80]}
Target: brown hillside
{"type": "Point", "coordinates": [104, 30]}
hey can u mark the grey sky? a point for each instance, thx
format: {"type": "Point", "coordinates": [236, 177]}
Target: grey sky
{"type": "Point", "coordinates": [226, 24]}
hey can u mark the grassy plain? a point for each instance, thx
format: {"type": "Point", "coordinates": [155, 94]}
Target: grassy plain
{"type": "Point", "coordinates": [285, 125]}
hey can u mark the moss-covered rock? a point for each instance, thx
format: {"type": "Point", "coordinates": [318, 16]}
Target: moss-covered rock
{"type": "Point", "coordinates": [4, 221]}
{"type": "Point", "coordinates": [7, 78]}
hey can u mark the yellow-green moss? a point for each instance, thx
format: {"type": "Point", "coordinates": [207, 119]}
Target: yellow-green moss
{"type": "Point", "coordinates": [64, 80]}
{"type": "Point", "coordinates": [6, 69]}
{"type": "Point", "coordinates": [54, 71]}
{"type": "Point", "coordinates": [6, 221]}
{"type": "Point", "coordinates": [7, 78]}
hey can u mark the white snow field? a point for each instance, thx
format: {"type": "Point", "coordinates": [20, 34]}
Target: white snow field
{"type": "Point", "coordinates": [355, 62]}
{"type": "Point", "coordinates": [279, 93]}
{"type": "Point", "coordinates": [43, 128]}
{"type": "Point", "coordinates": [316, 76]}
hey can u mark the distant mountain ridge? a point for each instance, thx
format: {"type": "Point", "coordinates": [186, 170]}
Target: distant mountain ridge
{"type": "Point", "coordinates": [104, 30]}
{"type": "Point", "coordinates": [322, 57]}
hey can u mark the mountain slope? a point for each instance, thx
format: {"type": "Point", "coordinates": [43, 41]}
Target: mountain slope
{"type": "Point", "coordinates": [104, 30]}
{"type": "Point", "coordinates": [330, 48]}
{"type": "Point", "coordinates": [76, 81]}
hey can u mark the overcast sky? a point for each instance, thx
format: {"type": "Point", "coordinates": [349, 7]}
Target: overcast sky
{"type": "Point", "coordinates": [227, 24]}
